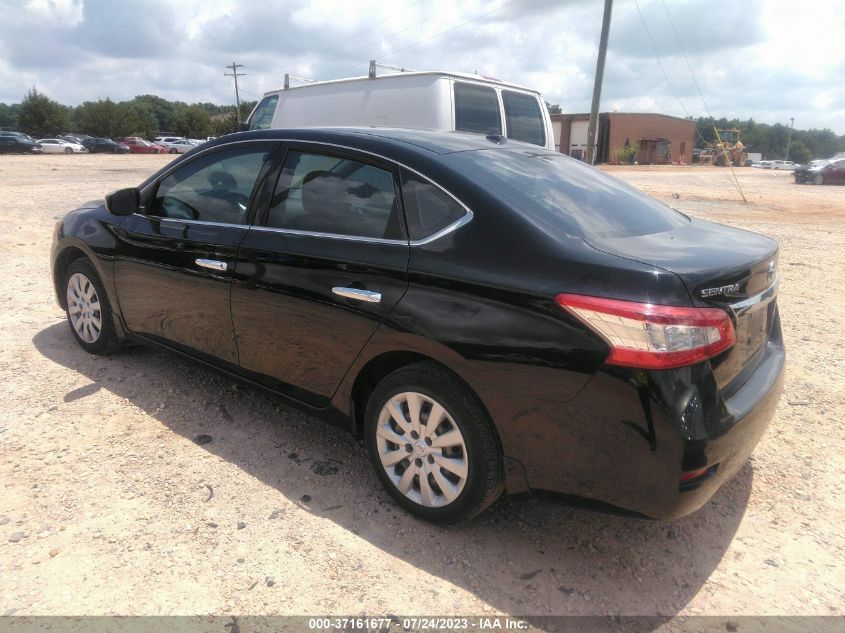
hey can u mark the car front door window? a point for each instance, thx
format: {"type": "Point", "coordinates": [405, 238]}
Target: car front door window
{"type": "Point", "coordinates": [213, 188]}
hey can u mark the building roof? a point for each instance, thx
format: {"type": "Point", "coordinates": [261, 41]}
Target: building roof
{"type": "Point", "coordinates": [585, 115]}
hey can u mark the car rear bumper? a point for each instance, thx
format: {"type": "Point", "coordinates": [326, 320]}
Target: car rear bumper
{"type": "Point", "coordinates": [629, 437]}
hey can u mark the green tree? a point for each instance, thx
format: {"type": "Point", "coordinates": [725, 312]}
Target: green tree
{"type": "Point", "coordinates": [9, 116]}
{"type": "Point", "coordinates": [193, 122]}
{"type": "Point", "coordinates": [40, 116]}
{"type": "Point", "coordinates": [163, 110]}
{"type": "Point", "coordinates": [109, 119]}
{"type": "Point", "coordinates": [553, 108]}
{"type": "Point", "coordinates": [799, 153]}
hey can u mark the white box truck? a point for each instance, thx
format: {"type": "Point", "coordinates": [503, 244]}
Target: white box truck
{"type": "Point", "coordinates": [431, 100]}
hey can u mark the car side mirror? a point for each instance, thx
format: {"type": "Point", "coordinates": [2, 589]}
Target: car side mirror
{"type": "Point", "coordinates": [124, 201]}
{"type": "Point", "coordinates": [243, 127]}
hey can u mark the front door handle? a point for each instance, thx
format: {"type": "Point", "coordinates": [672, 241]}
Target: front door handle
{"type": "Point", "coordinates": [358, 294]}
{"type": "Point", "coordinates": [212, 264]}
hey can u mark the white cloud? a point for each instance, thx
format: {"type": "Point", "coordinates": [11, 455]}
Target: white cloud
{"type": "Point", "coordinates": [757, 58]}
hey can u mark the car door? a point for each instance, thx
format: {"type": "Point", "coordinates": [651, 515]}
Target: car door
{"type": "Point", "coordinates": [835, 173]}
{"type": "Point", "coordinates": [173, 270]}
{"type": "Point", "coordinates": [316, 276]}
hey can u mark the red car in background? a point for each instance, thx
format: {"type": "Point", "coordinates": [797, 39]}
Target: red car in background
{"type": "Point", "coordinates": [140, 146]}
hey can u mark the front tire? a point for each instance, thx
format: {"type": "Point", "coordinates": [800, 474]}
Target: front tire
{"type": "Point", "coordinates": [68, 150]}
{"type": "Point", "coordinates": [88, 310]}
{"type": "Point", "coordinates": [173, 150]}
{"type": "Point", "coordinates": [432, 445]}
{"type": "Point", "coordinates": [818, 179]}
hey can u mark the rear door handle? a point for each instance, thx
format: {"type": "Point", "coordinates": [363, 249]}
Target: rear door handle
{"type": "Point", "coordinates": [211, 264]}
{"type": "Point", "coordinates": [358, 294]}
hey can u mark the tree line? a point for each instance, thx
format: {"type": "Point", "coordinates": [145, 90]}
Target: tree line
{"type": "Point", "coordinates": [771, 140]}
{"type": "Point", "coordinates": [146, 116]}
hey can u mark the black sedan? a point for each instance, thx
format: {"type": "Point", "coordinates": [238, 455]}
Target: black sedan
{"type": "Point", "coordinates": [104, 146]}
{"type": "Point", "coordinates": [486, 314]}
{"type": "Point", "coordinates": [18, 145]}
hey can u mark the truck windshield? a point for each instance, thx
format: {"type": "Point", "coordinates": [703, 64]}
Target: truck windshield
{"type": "Point", "coordinates": [263, 115]}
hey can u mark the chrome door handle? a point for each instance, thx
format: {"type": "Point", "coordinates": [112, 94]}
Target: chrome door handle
{"type": "Point", "coordinates": [213, 264]}
{"type": "Point", "coordinates": [357, 294]}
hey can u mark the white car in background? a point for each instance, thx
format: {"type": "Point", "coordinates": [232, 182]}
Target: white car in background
{"type": "Point", "coordinates": [60, 146]}
{"type": "Point", "coordinates": [179, 146]}
{"type": "Point", "coordinates": [783, 164]}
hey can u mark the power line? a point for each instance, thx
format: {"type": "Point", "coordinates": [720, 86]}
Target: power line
{"type": "Point", "coordinates": [357, 35]}
{"type": "Point", "coordinates": [383, 39]}
{"type": "Point", "coordinates": [683, 50]}
{"type": "Point", "coordinates": [734, 180]}
{"type": "Point", "coordinates": [436, 35]}
{"type": "Point", "coordinates": [657, 59]}
{"type": "Point", "coordinates": [235, 74]}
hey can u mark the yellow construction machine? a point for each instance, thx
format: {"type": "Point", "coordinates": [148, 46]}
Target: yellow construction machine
{"type": "Point", "coordinates": [726, 150]}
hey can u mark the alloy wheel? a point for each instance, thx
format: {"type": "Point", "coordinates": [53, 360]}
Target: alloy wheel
{"type": "Point", "coordinates": [421, 449]}
{"type": "Point", "coordinates": [83, 306]}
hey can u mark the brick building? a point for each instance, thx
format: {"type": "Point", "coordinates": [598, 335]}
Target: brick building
{"type": "Point", "coordinates": [654, 138]}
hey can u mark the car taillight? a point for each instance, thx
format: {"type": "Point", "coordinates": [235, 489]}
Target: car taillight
{"type": "Point", "coordinates": [649, 336]}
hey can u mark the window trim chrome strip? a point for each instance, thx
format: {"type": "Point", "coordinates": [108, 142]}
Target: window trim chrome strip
{"type": "Point", "coordinates": [743, 306]}
{"type": "Point", "coordinates": [464, 219]}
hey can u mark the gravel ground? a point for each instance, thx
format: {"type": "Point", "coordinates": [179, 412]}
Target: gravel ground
{"type": "Point", "coordinates": [110, 506]}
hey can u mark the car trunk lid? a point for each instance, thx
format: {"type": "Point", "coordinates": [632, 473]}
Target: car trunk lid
{"type": "Point", "coordinates": [721, 267]}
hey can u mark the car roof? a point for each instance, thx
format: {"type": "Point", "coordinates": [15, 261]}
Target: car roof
{"type": "Point", "coordinates": [434, 141]}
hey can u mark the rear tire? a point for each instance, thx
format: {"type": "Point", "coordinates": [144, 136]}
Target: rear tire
{"type": "Point", "coordinates": [88, 310]}
{"type": "Point", "coordinates": [445, 470]}
{"type": "Point", "coordinates": [173, 150]}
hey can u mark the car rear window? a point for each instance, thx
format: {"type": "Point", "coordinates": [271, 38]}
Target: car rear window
{"type": "Point", "coordinates": [523, 118]}
{"type": "Point", "coordinates": [477, 109]}
{"type": "Point", "coordinates": [560, 194]}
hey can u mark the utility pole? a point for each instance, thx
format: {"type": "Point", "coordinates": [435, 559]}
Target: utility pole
{"type": "Point", "coordinates": [236, 74]}
{"type": "Point", "coordinates": [789, 137]}
{"type": "Point", "coordinates": [594, 109]}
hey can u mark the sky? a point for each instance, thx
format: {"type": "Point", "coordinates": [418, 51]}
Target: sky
{"type": "Point", "coordinates": [771, 60]}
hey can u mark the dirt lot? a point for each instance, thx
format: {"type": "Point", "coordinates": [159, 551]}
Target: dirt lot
{"type": "Point", "coordinates": [105, 502]}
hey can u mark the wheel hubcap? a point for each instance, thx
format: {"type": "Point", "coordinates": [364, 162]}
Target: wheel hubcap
{"type": "Point", "coordinates": [83, 306]}
{"type": "Point", "coordinates": [421, 449]}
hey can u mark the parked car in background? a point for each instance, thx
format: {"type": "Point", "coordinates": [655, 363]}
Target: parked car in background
{"type": "Point", "coordinates": [179, 146]}
{"type": "Point", "coordinates": [60, 146]}
{"type": "Point", "coordinates": [163, 140]}
{"type": "Point", "coordinates": [74, 137]}
{"type": "Point", "coordinates": [783, 164]}
{"type": "Point", "coordinates": [820, 162]}
{"type": "Point", "coordinates": [763, 164]}
{"type": "Point", "coordinates": [105, 146]}
{"type": "Point", "coordinates": [18, 145]}
{"type": "Point", "coordinates": [140, 146]}
{"type": "Point", "coordinates": [22, 135]}
{"type": "Point", "coordinates": [828, 173]}
{"type": "Point", "coordinates": [487, 314]}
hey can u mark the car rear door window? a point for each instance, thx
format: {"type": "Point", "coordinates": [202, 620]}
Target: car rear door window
{"type": "Point", "coordinates": [523, 118]}
{"type": "Point", "coordinates": [326, 194]}
{"type": "Point", "coordinates": [263, 116]}
{"type": "Point", "coordinates": [428, 209]}
{"type": "Point", "coordinates": [212, 188]}
{"type": "Point", "coordinates": [477, 109]}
